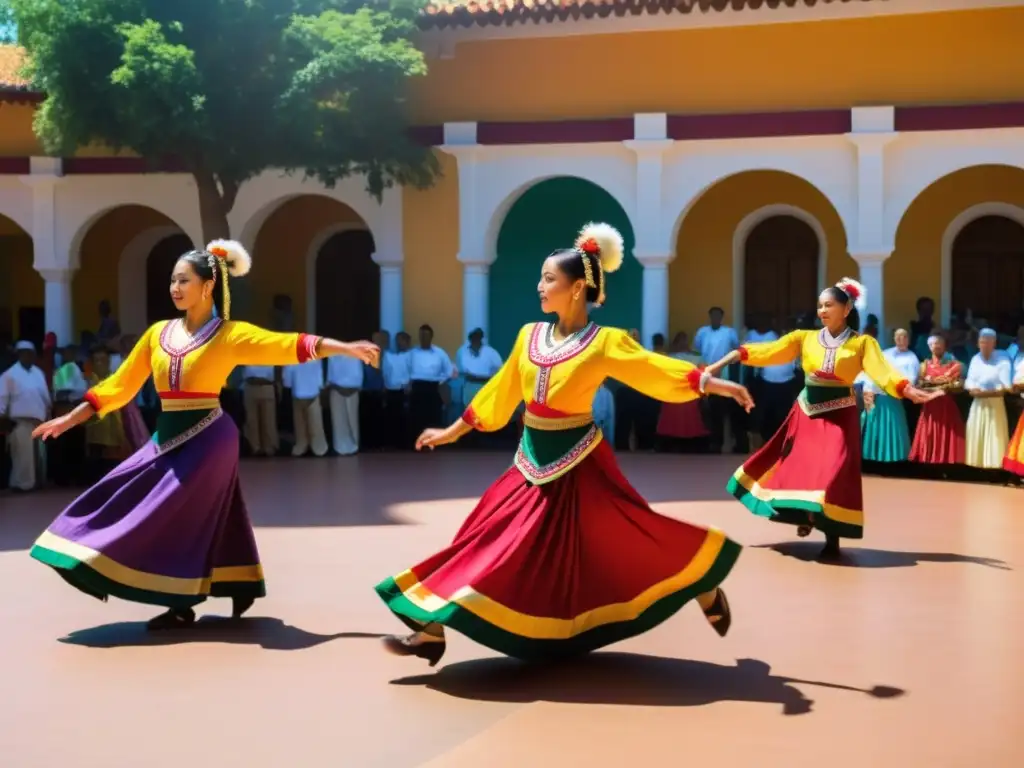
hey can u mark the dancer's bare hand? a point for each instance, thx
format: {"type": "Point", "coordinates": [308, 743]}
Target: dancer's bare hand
{"type": "Point", "coordinates": [431, 438]}
{"type": "Point", "coordinates": [920, 396]}
{"type": "Point", "coordinates": [52, 428]}
{"type": "Point", "coordinates": [366, 351]}
{"type": "Point", "coordinates": [737, 392]}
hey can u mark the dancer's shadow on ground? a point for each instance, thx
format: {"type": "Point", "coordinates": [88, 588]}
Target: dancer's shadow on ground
{"type": "Point", "coordinates": [268, 633]}
{"type": "Point", "coordinates": [627, 679]}
{"type": "Point", "coordinates": [859, 557]}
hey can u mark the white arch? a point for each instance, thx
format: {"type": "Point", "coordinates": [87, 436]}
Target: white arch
{"type": "Point", "coordinates": [956, 226]}
{"type": "Point", "coordinates": [692, 187]}
{"type": "Point", "coordinates": [739, 250]}
{"type": "Point", "coordinates": [313, 253]}
{"type": "Point", "coordinates": [131, 275]}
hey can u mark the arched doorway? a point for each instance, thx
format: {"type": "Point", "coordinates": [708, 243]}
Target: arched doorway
{"type": "Point", "coordinates": [159, 265]}
{"type": "Point", "coordinates": [347, 287]}
{"type": "Point", "coordinates": [987, 271]}
{"type": "Point", "coordinates": [780, 270]}
{"type": "Point", "coordinates": [546, 217]}
{"type": "Point", "coordinates": [22, 315]}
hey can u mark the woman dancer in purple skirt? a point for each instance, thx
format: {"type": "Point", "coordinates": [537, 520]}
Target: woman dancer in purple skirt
{"type": "Point", "coordinates": [168, 526]}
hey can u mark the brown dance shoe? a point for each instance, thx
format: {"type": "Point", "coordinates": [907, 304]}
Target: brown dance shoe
{"type": "Point", "coordinates": [411, 645]}
{"type": "Point", "coordinates": [719, 615]}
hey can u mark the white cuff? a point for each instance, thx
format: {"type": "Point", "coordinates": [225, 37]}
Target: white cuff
{"type": "Point", "coordinates": [705, 377]}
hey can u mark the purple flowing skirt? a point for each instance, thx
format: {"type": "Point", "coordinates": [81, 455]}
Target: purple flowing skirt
{"type": "Point", "coordinates": [168, 526]}
{"type": "Point", "coordinates": [135, 429]}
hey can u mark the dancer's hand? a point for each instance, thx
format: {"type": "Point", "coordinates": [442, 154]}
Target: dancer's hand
{"type": "Point", "coordinates": [366, 351]}
{"type": "Point", "coordinates": [53, 428]}
{"type": "Point", "coordinates": [431, 438]}
{"type": "Point", "coordinates": [919, 396]}
{"type": "Point", "coordinates": [737, 392]}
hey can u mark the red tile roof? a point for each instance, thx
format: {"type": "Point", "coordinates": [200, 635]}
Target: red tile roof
{"type": "Point", "coordinates": [484, 13]}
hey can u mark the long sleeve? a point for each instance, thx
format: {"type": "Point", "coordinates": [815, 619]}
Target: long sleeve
{"type": "Point", "coordinates": [764, 354]}
{"type": "Point", "coordinates": [253, 345]}
{"type": "Point", "coordinates": [1003, 372]}
{"type": "Point", "coordinates": [120, 388]}
{"type": "Point", "coordinates": [880, 369]}
{"type": "Point", "coordinates": [659, 376]}
{"type": "Point", "coordinates": [497, 400]}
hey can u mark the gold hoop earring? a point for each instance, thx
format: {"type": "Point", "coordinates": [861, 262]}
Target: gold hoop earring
{"type": "Point", "coordinates": [575, 297]}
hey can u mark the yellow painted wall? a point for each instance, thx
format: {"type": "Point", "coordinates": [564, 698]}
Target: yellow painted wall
{"type": "Point", "coordinates": [914, 269]}
{"type": "Point", "coordinates": [20, 285]}
{"type": "Point", "coordinates": [701, 275]}
{"type": "Point", "coordinates": [16, 136]}
{"type": "Point", "coordinates": [832, 64]}
{"type": "Point", "coordinates": [432, 278]}
{"type": "Point", "coordinates": [279, 257]}
{"type": "Point", "coordinates": [97, 276]}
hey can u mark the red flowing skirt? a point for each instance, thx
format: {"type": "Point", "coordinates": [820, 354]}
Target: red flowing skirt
{"type": "Point", "coordinates": [809, 473]}
{"type": "Point", "coordinates": [1014, 460]}
{"type": "Point", "coordinates": [682, 420]}
{"type": "Point", "coordinates": [940, 437]}
{"type": "Point", "coordinates": [543, 571]}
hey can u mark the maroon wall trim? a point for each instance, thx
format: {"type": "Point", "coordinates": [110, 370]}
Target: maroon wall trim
{"type": "Point", "coordinates": [960, 118]}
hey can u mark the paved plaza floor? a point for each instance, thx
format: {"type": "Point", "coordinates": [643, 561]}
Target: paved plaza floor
{"type": "Point", "coordinates": [907, 653]}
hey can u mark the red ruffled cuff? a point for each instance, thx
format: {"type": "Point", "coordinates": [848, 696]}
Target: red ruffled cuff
{"type": "Point", "coordinates": [469, 416]}
{"type": "Point", "coordinates": [305, 348]}
{"type": "Point", "coordinates": [902, 386]}
{"type": "Point", "coordinates": [693, 379]}
{"type": "Point", "coordinates": [92, 400]}
{"type": "Point", "coordinates": [744, 354]}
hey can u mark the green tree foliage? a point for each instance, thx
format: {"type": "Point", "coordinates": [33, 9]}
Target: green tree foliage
{"type": "Point", "coordinates": [231, 87]}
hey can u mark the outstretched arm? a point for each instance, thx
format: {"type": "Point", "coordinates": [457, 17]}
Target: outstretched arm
{"type": "Point", "coordinates": [885, 375]}
{"type": "Point", "coordinates": [257, 346]}
{"type": "Point", "coordinates": [664, 378]}
{"type": "Point", "coordinates": [762, 354]}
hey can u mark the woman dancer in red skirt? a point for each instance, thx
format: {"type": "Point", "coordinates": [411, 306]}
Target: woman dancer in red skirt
{"type": "Point", "coordinates": [561, 555]}
{"type": "Point", "coordinates": [809, 473]}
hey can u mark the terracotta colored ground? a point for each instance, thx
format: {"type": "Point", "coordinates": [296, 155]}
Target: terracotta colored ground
{"type": "Point", "coordinates": [930, 610]}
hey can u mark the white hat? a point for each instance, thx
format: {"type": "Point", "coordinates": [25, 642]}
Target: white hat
{"type": "Point", "coordinates": [25, 346]}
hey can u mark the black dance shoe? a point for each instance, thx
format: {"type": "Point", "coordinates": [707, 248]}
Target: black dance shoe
{"type": "Point", "coordinates": [239, 605]}
{"type": "Point", "coordinates": [173, 619]}
{"type": "Point", "coordinates": [719, 615]}
{"type": "Point", "coordinates": [409, 645]}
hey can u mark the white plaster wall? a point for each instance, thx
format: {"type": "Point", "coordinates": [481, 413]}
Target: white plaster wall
{"type": "Point", "coordinates": [16, 202]}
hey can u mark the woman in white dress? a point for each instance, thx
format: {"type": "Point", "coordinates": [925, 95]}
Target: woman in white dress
{"type": "Point", "coordinates": [988, 380]}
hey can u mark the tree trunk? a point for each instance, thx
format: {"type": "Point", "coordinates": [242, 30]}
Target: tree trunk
{"type": "Point", "coordinates": [213, 212]}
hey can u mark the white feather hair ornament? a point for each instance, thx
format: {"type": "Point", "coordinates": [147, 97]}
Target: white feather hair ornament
{"type": "Point", "coordinates": [857, 292]}
{"type": "Point", "coordinates": [238, 260]}
{"type": "Point", "coordinates": [604, 242]}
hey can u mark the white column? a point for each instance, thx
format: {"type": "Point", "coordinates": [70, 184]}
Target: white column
{"type": "Point", "coordinates": [871, 270]}
{"type": "Point", "coordinates": [54, 266]}
{"type": "Point", "coordinates": [873, 130]}
{"type": "Point", "coordinates": [653, 249]}
{"type": "Point", "coordinates": [58, 305]}
{"type": "Point", "coordinates": [391, 297]}
{"type": "Point", "coordinates": [475, 288]}
{"type": "Point", "coordinates": [654, 310]}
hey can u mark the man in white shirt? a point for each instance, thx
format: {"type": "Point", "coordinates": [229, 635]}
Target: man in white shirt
{"type": "Point", "coordinates": [772, 387]}
{"type": "Point", "coordinates": [429, 368]}
{"type": "Point", "coordinates": [306, 381]}
{"type": "Point", "coordinates": [259, 392]}
{"type": "Point", "coordinates": [477, 362]}
{"type": "Point", "coordinates": [713, 342]}
{"type": "Point", "coordinates": [25, 401]}
{"type": "Point", "coordinates": [344, 380]}
{"type": "Point", "coordinates": [394, 367]}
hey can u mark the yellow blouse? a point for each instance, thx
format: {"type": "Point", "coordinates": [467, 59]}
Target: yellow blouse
{"type": "Point", "coordinates": [558, 380]}
{"type": "Point", "coordinates": [827, 362]}
{"type": "Point", "coordinates": [191, 377]}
